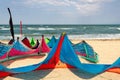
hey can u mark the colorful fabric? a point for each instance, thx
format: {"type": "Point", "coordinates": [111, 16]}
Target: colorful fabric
{"type": "Point", "coordinates": [86, 51]}
{"type": "Point", "coordinates": [44, 47]}
{"type": "Point", "coordinates": [32, 42]}
{"type": "Point", "coordinates": [36, 45]}
{"type": "Point", "coordinates": [4, 49]}
{"type": "Point", "coordinates": [26, 42]}
{"type": "Point", "coordinates": [52, 42]}
{"type": "Point", "coordinates": [19, 46]}
{"type": "Point", "coordinates": [11, 42]}
{"type": "Point", "coordinates": [19, 49]}
{"type": "Point", "coordinates": [64, 53]}
{"type": "Point", "coordinates": [47, 40]}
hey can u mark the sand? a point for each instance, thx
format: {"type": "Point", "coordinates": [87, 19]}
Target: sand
{"type": "Point", "coordinates": [107, 49]}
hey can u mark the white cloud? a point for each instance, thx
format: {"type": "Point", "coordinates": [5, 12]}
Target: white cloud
{"type": "Point", "coordinates": [50, 2]}
{"type": "Point", "coordinates": [95, 1]}
{"type": "Point", "coordinates": [86, 7]}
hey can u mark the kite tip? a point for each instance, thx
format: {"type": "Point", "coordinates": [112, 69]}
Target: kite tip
{"type": "Point", "coordinates": [63, 33]}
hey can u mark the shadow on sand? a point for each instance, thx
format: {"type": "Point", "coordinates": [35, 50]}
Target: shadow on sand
{"type": "Point", "coordinates": [41, 74]}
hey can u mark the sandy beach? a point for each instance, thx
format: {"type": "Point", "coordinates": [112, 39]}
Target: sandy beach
{"type": "Point", "coordinates": [107, 49]}
{"type": "Point", "coordinates": [35, 22]}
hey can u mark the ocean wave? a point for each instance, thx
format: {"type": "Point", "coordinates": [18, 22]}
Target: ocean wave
{"type": "Point", "coordinates": [18, 35]}
{"type": "Point", "coordinates": [95, 36]}
{"type": "Point", "coordinates": [5, 37]}
{"type": "Point", "coordinates": [30, 28]}
{"type": "Point", "coordinates": [66, 28]}
{"type": "Point", "coordinates": [36, 33]}
{"type": "Point", "coordinates": [118, 28]}
{"type": "Point", "coordinates": [71, 36]}
{"type": "Point", "coordinates": [76, 31]}
{"type": "Point", "coordinates": [3, 28]}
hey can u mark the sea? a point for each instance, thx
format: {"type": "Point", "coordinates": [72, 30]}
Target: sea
{"type": "Point", "coordinates": [75, 31]}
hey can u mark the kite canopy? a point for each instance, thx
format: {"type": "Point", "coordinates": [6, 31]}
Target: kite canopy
{"type": "Point", "coordinates": [36, 45]}
{"type": "Point", "coordinates": [4, 49]}
{"type": "Point", "coordinates": [11, 42]}
{"type": "Point", "coordinates": [52, 42]}
{"type": "Point", "coordinates": [44, 47]}
{"type": "Point", "coordinates": [18, 49]}
{"type": "Point", "coordinates": [62, 55]}
{"type": "Point", "coordinates": [26, 42]}
{"type": "Point", "coordinates": [47, 40]}
{"type": "Point", "coordinates": [32, 42]}
{"type": "Point", "coordinates": [86, 51]}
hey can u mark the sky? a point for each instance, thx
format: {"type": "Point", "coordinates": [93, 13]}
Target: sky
{"type": "Point", "coordinates": [61, 11]}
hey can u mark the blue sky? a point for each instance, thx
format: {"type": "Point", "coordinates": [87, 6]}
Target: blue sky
{"type": "Point", "coordinates": [61, 11]}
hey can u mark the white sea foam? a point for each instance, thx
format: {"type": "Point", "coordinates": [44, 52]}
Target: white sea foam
{"type": "Point", "coordinates": [5, 37]}
{"type": "Point", "coordinates": [85, 36]}
{"type": "Point", "coordinates": [66, 28]}
{"type": "Point", "coordinates": [3, 28]}
{"type": "Point", "coordinates": [36, 33]}
{"type": "Point", "coordinates": [95, 36]}
{"type": "Point", "coordinates": [29, 28]}
{"type": "Point", "coordinates": [118, 28]}
{"type": "Point", "coordinates": [46, 28]}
